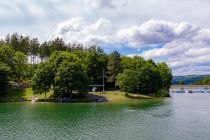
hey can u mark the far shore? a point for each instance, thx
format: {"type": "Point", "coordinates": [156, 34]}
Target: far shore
{"type": "Point", "coordinates": [190, 86]}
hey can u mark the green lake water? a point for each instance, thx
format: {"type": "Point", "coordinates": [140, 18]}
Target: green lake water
{"type": "Point", "coordinates": [181, 117]}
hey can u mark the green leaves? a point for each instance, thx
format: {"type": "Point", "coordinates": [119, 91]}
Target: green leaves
{"type": "Point", "coordinates": [205, 81]}
{"type": "Point", "coordinates": [64, 72]}
{"type": "Point", "coordinates": [4, 78]}
{"type": "Point", "coordinates": [16, 61]}
{"type": "Point", "coordinates": [43, 78]}
{"type": "Point", "coordinates": [113, 66]}
{"type": "Point", "coordinates": [70, 76]}
{"type": "Point", "coordinates": [20, 66]}
{"type": "Point", "coordinates": [166, 75]}
{"type": "Point", "coordinates": [96, 62]}
{"type": "Point", "coordinates": [145, 77]}
{"type": "Point", "coordinates": [128, 80]}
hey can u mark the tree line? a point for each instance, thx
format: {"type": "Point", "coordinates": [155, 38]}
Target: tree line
{"type": "Point", "coordinates": [69, 68]}
{"type": "Point", "coordinates": [204, 81]}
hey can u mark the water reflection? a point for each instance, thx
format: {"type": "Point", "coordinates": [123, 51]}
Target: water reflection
{"type": "Point", "coordinates": [183, 116]}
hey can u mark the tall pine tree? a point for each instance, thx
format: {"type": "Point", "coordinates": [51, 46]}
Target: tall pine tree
{"type": "Point", "coordinates": [113, 67]}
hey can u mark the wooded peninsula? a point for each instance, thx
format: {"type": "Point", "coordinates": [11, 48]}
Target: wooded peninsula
{"type": "Point", "coordinates": [71, 70]}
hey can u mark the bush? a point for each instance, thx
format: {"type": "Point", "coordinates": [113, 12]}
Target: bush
{"type": "Point", "coordinates": [163, 93]}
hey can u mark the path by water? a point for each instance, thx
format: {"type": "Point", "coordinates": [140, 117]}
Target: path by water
{"type": "Point", "coordinates": [184, 116]}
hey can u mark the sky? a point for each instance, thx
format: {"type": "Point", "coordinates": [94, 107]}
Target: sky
{"type": "Point", "coordinates": [173, 31]}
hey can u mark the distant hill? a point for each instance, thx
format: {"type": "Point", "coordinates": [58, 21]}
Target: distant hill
{"type": "Point", "coordinates": [189, 79]}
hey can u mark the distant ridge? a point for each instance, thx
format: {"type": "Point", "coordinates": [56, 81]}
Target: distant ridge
{"type": "Point", "coordinates": [188, 79]}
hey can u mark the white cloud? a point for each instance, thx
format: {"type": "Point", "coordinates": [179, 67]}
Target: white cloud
{"type": "Point", "coordinates": [72, 25]}
{"type": "Point", "coordinates": [96, 40]}
{"type": "Point", "coordinates": [78, 31]}
{"type": "Point", "coordinates": [148, 33]}
{"type": "Point", "coordinates": [14, 8]}
{"type": "Point", "coordinates": [102, 3]}
{"type": "Point", "coordinates": [203, 36]}
{"type": "Point", "coordinates": [185, 46]}
{"type": "Point", "coordinates": [156, 32]}
{"type": "Point", "coordinates": [119, 22]}
{"type": "Point", "coordinates": [55, 1]}
{"type": "Point", "coordinates": [100, 24]}
{"type": "Point", "coordinates": [2, 37]}
{"type": "Point", "coordinates": [184, 56]}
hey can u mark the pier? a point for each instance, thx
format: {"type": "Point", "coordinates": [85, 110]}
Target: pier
{"type": "Point", "coordinates": [190, 89]}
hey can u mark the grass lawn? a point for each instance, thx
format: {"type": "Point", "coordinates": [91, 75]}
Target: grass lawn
{"type": "Point", "coordinates": [117, 96]}
{"type": "Point", "coordinates": [26, 94]}
{"type": "Point", "coordinates": [111, 96]}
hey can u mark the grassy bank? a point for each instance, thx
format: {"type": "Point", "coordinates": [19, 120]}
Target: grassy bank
{"type": "Point", "coordinates": [23, 95]}
{"type": "Point", "coordinates": [111, 96]}
{"type": "Point", "coordinates": [117, 96]}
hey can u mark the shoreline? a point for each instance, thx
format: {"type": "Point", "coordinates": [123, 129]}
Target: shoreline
{"type": "Point", "coordinates": [96, 97]}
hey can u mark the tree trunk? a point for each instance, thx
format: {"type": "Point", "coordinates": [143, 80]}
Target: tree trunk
{"type": "Point", "coordinates": [18, 83]}
{"type": "Point", "coordinates": [45, 93]}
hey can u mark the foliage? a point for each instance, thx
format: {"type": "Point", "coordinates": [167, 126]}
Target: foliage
{"type": "Point", "coordinates": [70, 68]}
{"type": "Point", "coordinates": [128, 80]}
{"type": "Point", "coordinates": [181, 82]}
{"type": "Point", "coordinates": [163, 93]}
{"type": "Point", "coordinates": [132, 63]}
{"type": "Point", "coordinates": [33, 49]}
{"type": "Point", "coordinates": [16, 61]}
{"type": "Point", "coordinates": [57, 45]}
{"type": "Point", "coordinates": [113, 66]}
{"type": "Point", "coordinates": [43, 78]}
{"type": "Point", "coordinates": [7, 56]}
{"type": "Point", "coordinates": [20, 66]}
{"type": "Point", "coordinates": [144, 76]}
{"type": "Point", "coordinates": [96, 62]}
{"type": "Point", "coordinates": [29, 71]}
{"type": "Point", "coordinates": [64, 72]}
{"type": "Point", "coordinates": [70, 76]}
{"type": "Point", "coordinates": [149, 79]}
{"type": "Point", "coordinates": [166, 75]}
{"type": "Point", "coordinates": [58, 57]}
{"type": "Point", "coordinates": [4, 78]}
{"type": "Point", "coordinates": [204, 81]}
{"type": "Point", "coordinates": [24, 44]}
{"type": "Point", "coordinates": [44, 50]}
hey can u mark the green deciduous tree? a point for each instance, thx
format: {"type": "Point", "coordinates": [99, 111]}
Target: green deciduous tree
{"type": "Point", "coordinates": [64, 72]}
{"type": "Point", "coordinates": [128, 81]}
{"type": "Point", "coordinates": [17, 61]}
{"type": "Point", "coordinates": [70, 77]}
{"type": "Point", "coordinates": [58, 57]}
{"type": "Point", "coordinates": [132, 63]}
{"type": "Point", "coordinates": [204, 81]}
{"type": "Point", "coordinates": [7, 56]}
{"type": "Point", "coordinates": [20, 67]}
{"type": "Point", "coordinates": [43, 78]}
{"type": "Point", "coordinates": [166, 75]}
{"type": "Point", "coordinates": [149, 79]}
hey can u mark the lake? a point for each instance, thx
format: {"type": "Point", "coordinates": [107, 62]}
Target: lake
{"type": "Point", "coordinates": [183, 116]}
